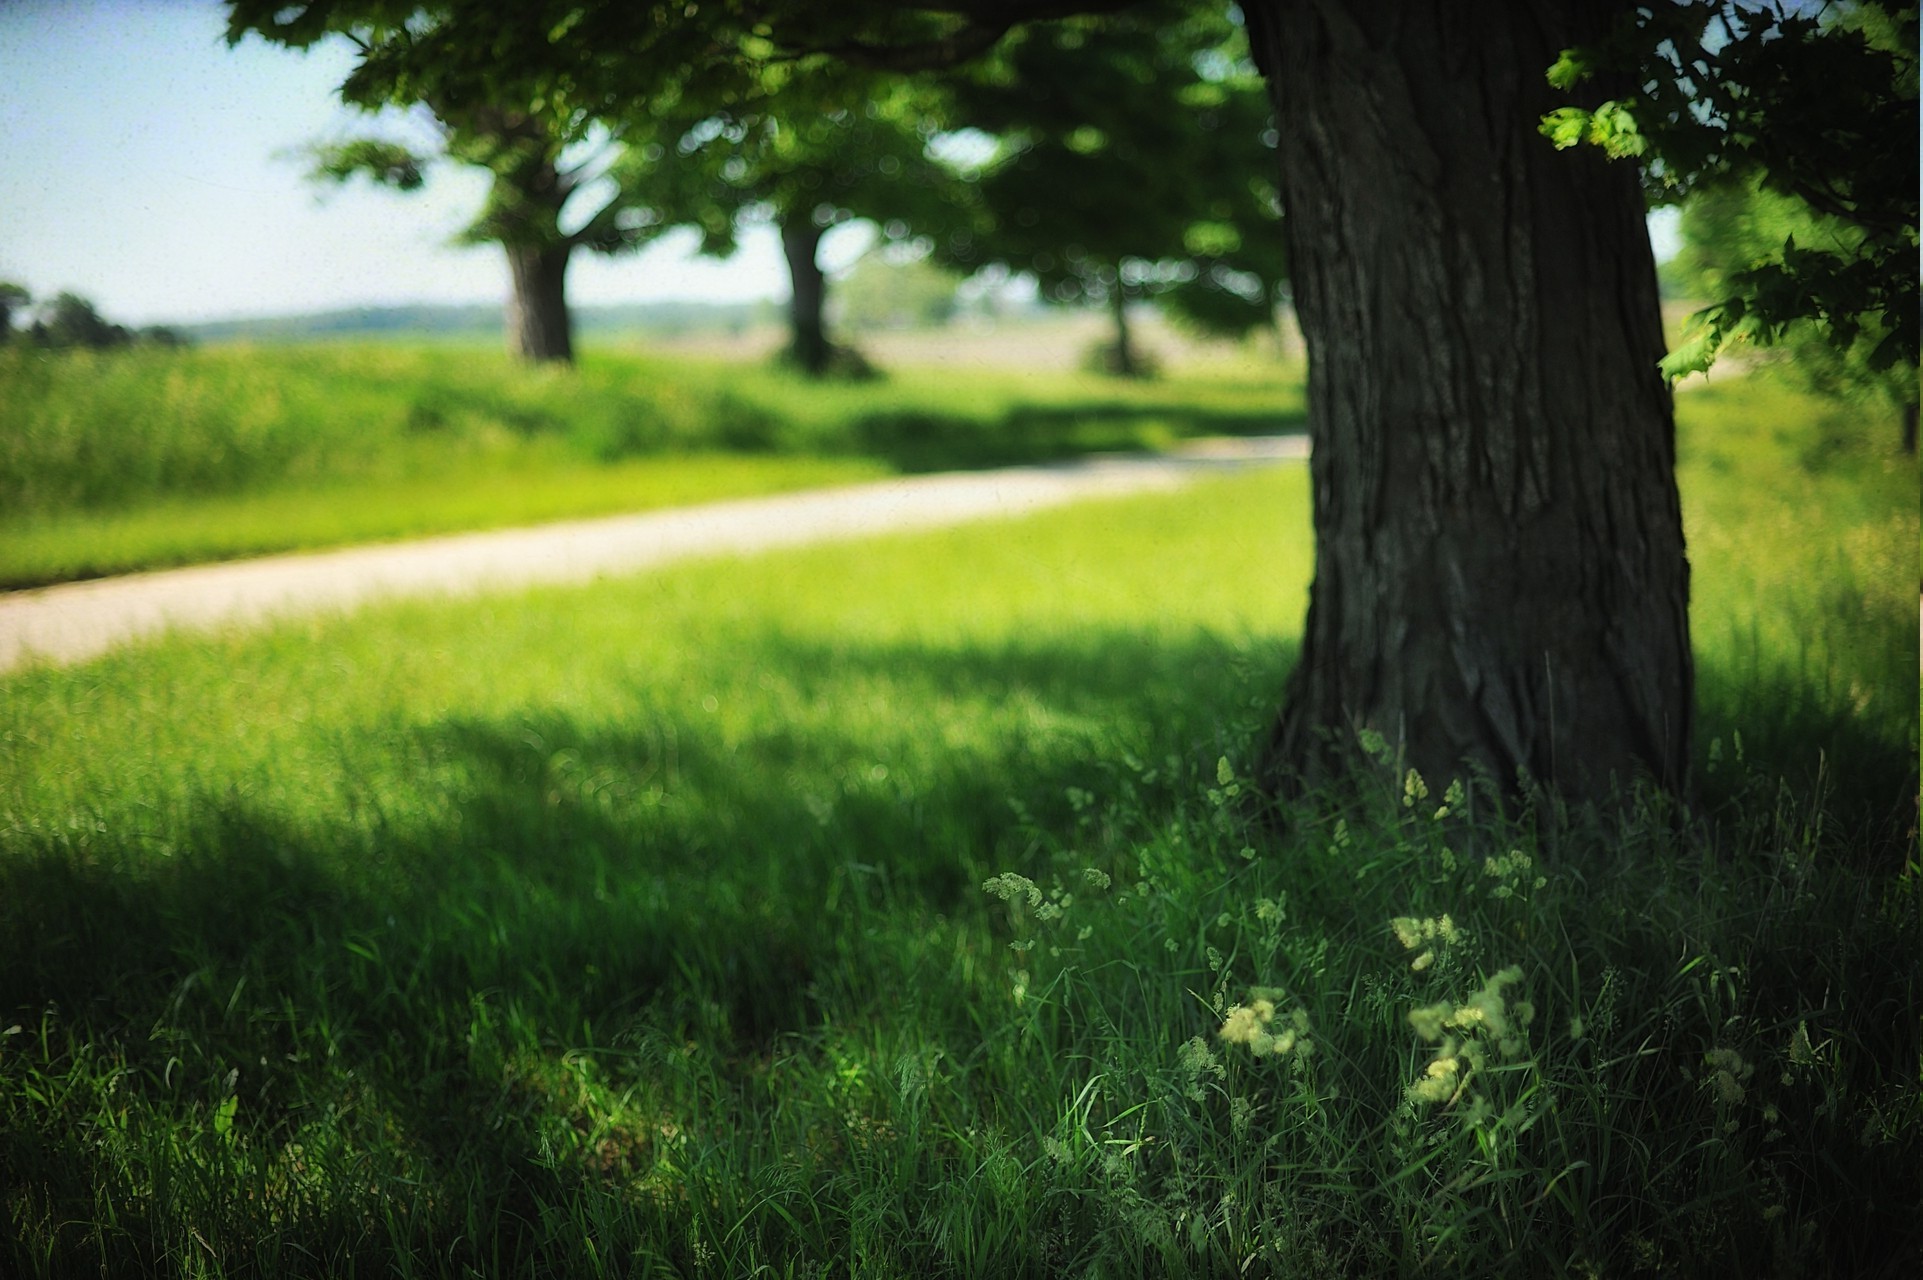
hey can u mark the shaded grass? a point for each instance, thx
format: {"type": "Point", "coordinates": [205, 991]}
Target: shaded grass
{"type": "Point", "coordinates": [638, 929]}
{"type": "Point", "coordinates": [143, 458]}
{"type": "Point", "coordinates": [1801, 516]}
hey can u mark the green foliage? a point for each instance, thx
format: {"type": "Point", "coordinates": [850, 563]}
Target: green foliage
{"type": "Point", "coordinates": [388, 164]}
{"type": "Point", "coordinates": [126, 460]}
{"type": "Point", "coordinates": [1134, 160]}
{"type": "Point", "coordinates": [1749, 239]}
{"type": "Point", "coordinates": [573, 162]}
{"type": "Point", "coordinates": [1813, 105]}
{"type": "Point", "coordinates": [820, 149]}
{"type": "Point", "coordinates": [1609, 125]}
{"type": "Point", "coordinates": [641, 928]}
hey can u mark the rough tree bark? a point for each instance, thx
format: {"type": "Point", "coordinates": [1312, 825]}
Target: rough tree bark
{"type": "Point", "coordinates": [539, 326]}
{"type": "Point", "coordinates": [1500, 578]}
{"type": "Point", "coordinates": [808, 341]}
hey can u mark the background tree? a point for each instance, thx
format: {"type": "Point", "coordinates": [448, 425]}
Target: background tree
{"type": "Point", "coordinates": [819, 148]}
{"type": "Point", "coordinates": [71, 321]}
{"type": "Point", "coordinates": [1133, 163]}
{"type": "Point", "coordinates": [570, 168]}
{"type": "Point", "coordinates": [13, 298]}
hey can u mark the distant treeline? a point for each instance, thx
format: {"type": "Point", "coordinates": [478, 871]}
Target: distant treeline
{"type": "Point", "coordinates": [483, 320]}
{"type": "Point", "coordinates": [67, 321]}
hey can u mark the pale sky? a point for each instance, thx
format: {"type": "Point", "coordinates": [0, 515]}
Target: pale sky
{"type": "Point", "coordinates": [147, 167]}
{"type": "Point", "coordinates": [144, 165]}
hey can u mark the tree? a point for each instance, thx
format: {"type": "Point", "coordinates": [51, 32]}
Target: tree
{"type": "Point", "coordinates": [547, 144]}
{"type": "Point", "coordinates": [1164, 189]}
{"type": "Point", "coordinates": [820, 147]}
{"type": "Point", "coordinates": [1499, 573]}
{"type": "Point", "coordinates": [71, 321]}
{"type": "Point", "coordinates": [818, 152]}
{"type": "Point", "coordinates": [13, 297]}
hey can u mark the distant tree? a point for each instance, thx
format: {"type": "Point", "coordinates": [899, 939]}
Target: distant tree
{"type": "Point", "coordinates": [570, 167]}
{"type": "Point", "coordinates": [1134, 161]}
{"type": "Point", "coordinates": [161, 335]}
{"type": "Point", "coordinates": [13, 298]}
{"type": "Point", "coordinates": [816, 150]}
{"type": "Point", "coordinates": [71, 321]}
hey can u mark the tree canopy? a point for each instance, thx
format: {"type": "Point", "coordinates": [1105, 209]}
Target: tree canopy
{"type": "Point", "coordinates": [572, 164]}
{"type": "Point", "coordinates": [1813, 104]}
{"type": "Point", "coordinates": [1132, 161]}
{"type": "Point", "coordinates": [821, 147]}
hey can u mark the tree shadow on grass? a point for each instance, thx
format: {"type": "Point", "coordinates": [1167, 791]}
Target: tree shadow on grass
{"type": "Point", "coordinates": [1786, 743]}
{"type": "Point", "coordinates": [407, 978]}
{"type": "Point", "coordinates": [406, 982]}
{"type": "Point", "coordinates": [915, 439]}
{"type": "Point", "coordinates": [923, 441]}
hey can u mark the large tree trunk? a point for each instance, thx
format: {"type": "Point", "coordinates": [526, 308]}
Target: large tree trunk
{"type": "Point", "coordinates": [1500, 580]}
{"type": "Point", "coordinates": [539, 328]}
{"type": "Point", "coordinates": [808, 340]}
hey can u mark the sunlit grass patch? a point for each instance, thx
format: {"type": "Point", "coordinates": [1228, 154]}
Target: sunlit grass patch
{"type": "Point", "coordinates": [84, 544]}
{"type": "Point", "coordinates": [141, 459]}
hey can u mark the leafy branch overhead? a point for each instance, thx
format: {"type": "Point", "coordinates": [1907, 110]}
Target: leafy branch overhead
{"type": "Point", "coordinates": [1816, 105]}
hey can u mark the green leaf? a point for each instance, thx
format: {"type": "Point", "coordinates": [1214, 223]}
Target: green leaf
{"type": "Point", "coordinates": [1695, 355]}
{"type": "Point", "coordinates": [1565, 126]}
{"type": "Point", "coordinates": [1569, 69]}
{"type": "Point", "coordinates": [1613, 128]}
{"type": "Point", "coordinates": [224, 1117]}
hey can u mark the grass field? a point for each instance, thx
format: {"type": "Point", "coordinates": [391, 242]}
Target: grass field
{"type": "Point", "coordinates": [148, 458]}
{"type": "Point", "coordinates": [893, 910]}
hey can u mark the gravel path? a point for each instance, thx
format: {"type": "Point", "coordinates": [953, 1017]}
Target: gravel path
{"type": "Point", "coordinates": [76, 621]}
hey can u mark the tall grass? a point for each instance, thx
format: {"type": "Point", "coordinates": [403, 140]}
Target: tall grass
{"type": "Point", "coordinates": [895, 909]}
{"type": "Point", "coordinates": [142, 458]}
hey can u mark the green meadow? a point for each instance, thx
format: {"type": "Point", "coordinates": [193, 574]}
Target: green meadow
{"type": "Point", "coordinates": [899, 908]}
{"type": "Point", "coordinates": [124, 460]}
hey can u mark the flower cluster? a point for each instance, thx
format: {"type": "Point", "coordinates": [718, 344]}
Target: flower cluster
{"type": "Point", "coordinates": [1251, 1024]}
{"type": "Point", "coordinates": [1413, 933]}
{"type": "Point", "coordinates": [1466, 1031]}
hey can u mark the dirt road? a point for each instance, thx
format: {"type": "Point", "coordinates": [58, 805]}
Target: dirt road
{"type": "Point", "coordinates": [77, 621]}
